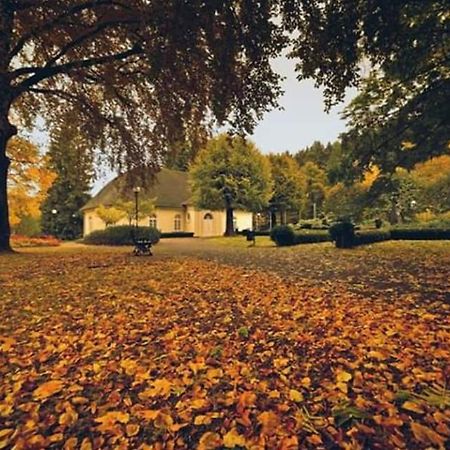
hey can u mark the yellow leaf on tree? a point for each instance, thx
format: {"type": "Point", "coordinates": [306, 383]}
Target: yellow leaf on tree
{"type": "Point", "coordinates": [427, 435]}
{"type": "Point", "coordinates": [295, 395]}
{"type": "Point", "coordinates": [47, 389]}
{"type": "Point", "coordinates": [233, 438]}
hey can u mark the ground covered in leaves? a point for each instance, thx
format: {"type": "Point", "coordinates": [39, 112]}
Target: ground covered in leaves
{"type": "Point", "coordinates": [103, 350]}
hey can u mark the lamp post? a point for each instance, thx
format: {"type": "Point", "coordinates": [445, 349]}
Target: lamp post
{"type": "Point", "coordinates": [136, 191]}
{"type": "Point", "coordinates": [54, 212]}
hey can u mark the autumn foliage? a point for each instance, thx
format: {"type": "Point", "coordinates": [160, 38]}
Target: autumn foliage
{"type": "Point", "coordinates": [182, 353]}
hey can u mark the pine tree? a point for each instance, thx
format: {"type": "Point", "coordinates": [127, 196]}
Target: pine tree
{"type": "Point", "coordinates": [71, 159]}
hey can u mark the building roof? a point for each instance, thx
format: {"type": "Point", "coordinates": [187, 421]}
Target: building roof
{"type": "Point", "coordinates": [169, 187]}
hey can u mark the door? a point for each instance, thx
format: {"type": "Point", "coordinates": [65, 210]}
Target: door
{"type": "Point", "coordinates": [208, 222]}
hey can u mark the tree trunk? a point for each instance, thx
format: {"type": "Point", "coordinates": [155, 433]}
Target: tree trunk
{"type": "Point", "coordinates": [229, 228]}
{"type": "Point", "coordinates": [6, 132]}
{"type": "Point", "coordinates": [6, 129]}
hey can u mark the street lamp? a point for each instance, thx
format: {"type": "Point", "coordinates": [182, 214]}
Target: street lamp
{"type": "Point", "coordinates": [136, 191]}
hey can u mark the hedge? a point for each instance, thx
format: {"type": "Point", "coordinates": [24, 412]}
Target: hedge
{"type": "Point", "coordinates": [427, 234]}
{"type": "Point", "coordinates": [177, 234]}
{"type": "Point", "coordinates": [122, 235]}
{"type": "Point", "coordinates": [371, 236]}
{"type": "Point", "coordinates": [285, 235]}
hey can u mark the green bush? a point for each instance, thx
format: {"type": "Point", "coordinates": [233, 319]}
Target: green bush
{"type": "Point", "coordinates": [343, 234]}
{"type": "Point", "coordinates": [428, 234]}
{"type": "Point", "coordinates": [312, 236]}
{"type": "Point", "coordinates": [177, 234]}
{"type": "Point", "coordinates": [283, 235]}
{"type": "Point", "coordinates": [122, 235]}
{"type": "Point", "coordinates": [371, 236]}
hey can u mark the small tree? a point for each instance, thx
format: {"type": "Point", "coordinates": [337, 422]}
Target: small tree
{"type": "Point", "coordinates": [110, 214]}
{"type": "Point", "coordinates": [289, 185]}
{"type": "Point", "coordinates": [230, 173]}
{"type": "Point", "coordinates": [146, 207]}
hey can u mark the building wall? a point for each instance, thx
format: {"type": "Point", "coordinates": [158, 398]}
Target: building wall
{"type": "Point", "coordinates": [202, 223]}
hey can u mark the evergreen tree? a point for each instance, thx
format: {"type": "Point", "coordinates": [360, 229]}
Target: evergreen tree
{"type": "Point", "coordinates": [71, 160]}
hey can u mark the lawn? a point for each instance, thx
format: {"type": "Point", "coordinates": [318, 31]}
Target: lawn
{"type": "Point", "coordinates": [211, 346]}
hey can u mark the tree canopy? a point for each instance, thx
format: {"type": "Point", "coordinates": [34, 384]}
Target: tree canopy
{"type": "Point", "coordinates": [289, 184]}
{"type": "Point", "coordinates": [230, 173]}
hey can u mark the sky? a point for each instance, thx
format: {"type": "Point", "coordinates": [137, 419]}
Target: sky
{"type": "Point", "coordinates": [301, 121]}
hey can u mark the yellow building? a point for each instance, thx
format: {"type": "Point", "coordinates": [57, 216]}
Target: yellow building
{"type": "Point", "coordinates": [174, 210]}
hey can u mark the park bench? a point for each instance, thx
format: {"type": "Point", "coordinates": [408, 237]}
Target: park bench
{"type": "Point", "coordinates": [142, 247]}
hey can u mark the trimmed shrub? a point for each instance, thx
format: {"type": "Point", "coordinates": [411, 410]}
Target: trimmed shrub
{"type": "Point", "coordinates": [122, 235]}
{"type": "Point", "coordinates": [283, 235]}
{"type": "Point", "coordinates": [312, 236]}
{"type": "Point", "coordinates": [427, 234]}
{"type": "Point", "coordinates": [343, 234]}
{"type": "Point", "coordinates": [177, 234]}
{"type": "Point", "coordinates": [255, 233]}
{"type": "Point", "coordinates": [371, 236]}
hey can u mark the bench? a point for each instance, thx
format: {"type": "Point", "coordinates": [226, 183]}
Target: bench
{"type": "Point", "coordinates": [142, 247]}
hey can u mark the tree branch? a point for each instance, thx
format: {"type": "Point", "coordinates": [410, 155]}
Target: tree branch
{"type": "Point", "coordinates": [48, 72]}
{"type": "Point", "coordinates": [58, 19]}
{"type": "Point", "coordinates": [97, 29]}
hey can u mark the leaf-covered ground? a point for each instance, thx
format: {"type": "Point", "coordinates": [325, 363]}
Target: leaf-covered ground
{"type": "Point", "coordinates": [102, 350]}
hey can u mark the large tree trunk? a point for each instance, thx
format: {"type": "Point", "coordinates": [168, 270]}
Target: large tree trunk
{"type": "Point", "coordinates": [229, 228]}
{"type": "Point", "coordinates": [6, 129]}
{"type": "Point", "coordinates": [6, 132]}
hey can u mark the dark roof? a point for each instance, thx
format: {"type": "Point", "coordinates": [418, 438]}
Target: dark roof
{"type": "Point", "coordinates": [169, 187]}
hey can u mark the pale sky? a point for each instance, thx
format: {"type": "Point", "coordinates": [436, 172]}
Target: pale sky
{"type": "Point", "coordinates": [301, 122]}
{"type": "Point", "coordinates": [303, 119]}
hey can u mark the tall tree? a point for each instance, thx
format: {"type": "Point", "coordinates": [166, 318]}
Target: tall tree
{"type": "Point", "coordinates": [316, 186]}
{"type": "Point", "coordinates": [30, 178]}
{"type": "Point", "coordinates": [140, 74]}
{"type": "Point", "coordinates": [403, 113]}
{"type": "Point", "coordinates": [230, 173]}
{"type": "Point", "coordinates": [289, 185]}
{"type": "Point", "coordinates": [70, 157]}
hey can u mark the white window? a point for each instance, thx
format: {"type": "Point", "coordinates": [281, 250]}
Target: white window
{"type": "Point", "coordinates": [153, 222]}
{"type": "Point", "coordinates": [177, 223]}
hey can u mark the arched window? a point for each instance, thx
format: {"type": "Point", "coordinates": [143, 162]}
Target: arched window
{"type": "Point", "coordinates": [208, 216]}
{"type": "Point", "coordinates": [177, 223]}
{"type": "Point", "coordinates": [153, 222]}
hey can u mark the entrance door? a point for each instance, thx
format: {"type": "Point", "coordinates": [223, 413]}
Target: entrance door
{"type": "Point", "coordinates": [208, 222]}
